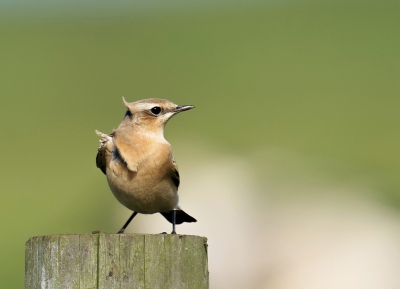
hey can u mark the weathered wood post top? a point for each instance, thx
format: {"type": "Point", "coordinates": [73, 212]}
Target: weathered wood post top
{"type": "Point", "coordinates": [116, 261]}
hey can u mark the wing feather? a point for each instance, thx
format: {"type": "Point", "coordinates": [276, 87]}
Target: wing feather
{"type": "Point", "coordinates": [104, 151]}
{"type": "Point", "coordinates": [175, 176]}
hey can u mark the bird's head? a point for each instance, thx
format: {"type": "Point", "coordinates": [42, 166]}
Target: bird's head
{"type": "Point", "coordinates": [151, 113]}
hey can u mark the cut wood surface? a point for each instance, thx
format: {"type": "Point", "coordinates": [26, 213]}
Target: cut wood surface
{"type": "Point", "coordinates": [116, 261]}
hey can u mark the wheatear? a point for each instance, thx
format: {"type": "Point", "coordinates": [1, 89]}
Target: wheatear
{"type": "Point", "coordinates": [138, 161]}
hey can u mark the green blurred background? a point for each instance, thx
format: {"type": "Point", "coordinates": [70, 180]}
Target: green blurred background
{"type": "Point", "coordinates": [318, 79]}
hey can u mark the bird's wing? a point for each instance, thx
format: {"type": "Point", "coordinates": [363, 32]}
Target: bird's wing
{"type": "Point", "coordinates": [104, 151]}
{"type": "Point", "coordinates": [175, 175]}
{"type": "Point", "coordinates": [124, 152]}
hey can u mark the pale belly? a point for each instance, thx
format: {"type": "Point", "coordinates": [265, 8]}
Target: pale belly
{"type": "Point", "coordinates": [142, 193]}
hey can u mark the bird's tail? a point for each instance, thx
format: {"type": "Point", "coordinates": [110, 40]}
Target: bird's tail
{"type": "Point", "coordinates": [181, 217]}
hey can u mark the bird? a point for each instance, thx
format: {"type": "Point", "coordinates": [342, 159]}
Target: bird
{"type": "Point", "coordinates": [138, 162]}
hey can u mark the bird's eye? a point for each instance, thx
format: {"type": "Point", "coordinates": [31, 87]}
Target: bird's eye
{"type": "Point", "coordinates": [156, 110]}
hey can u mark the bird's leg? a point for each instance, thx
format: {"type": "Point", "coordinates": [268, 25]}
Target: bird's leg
{"type": "Point", "coordinates": [173, 222]}
{"type": "Point", "coordinates": [127, 223]}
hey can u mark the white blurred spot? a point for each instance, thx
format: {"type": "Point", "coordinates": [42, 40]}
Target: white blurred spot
{"type": "Point", "coordinates": [271, 233]}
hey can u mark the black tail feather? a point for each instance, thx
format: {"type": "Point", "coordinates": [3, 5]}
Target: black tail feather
{"type": "Point", "coordinates": [181, 217]}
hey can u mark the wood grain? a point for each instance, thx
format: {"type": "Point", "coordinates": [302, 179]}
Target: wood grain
{"type": "Point", "coordinates": [111, 261]}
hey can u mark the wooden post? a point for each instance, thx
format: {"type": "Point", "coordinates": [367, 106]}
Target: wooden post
{"type": "Point", "coordinates": [116, 261]}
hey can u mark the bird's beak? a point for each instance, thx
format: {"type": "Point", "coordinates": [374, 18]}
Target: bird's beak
{"type": "Point", "coordinates": [183, 108]}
